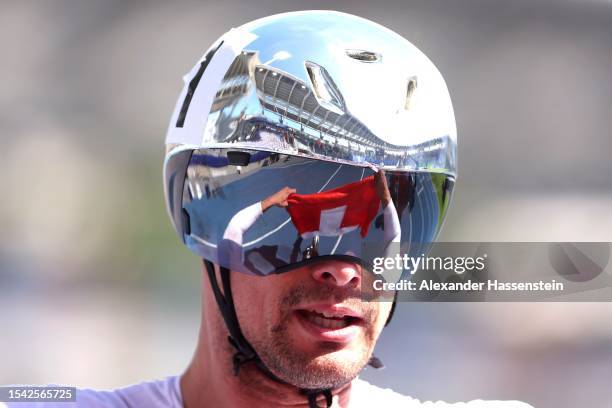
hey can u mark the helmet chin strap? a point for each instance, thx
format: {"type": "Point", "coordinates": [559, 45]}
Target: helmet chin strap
{"type": "Point", "coordinates": [244, 351]}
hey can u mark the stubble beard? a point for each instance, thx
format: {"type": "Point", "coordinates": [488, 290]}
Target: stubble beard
{"type": "Point", "coordinates": [327, 366]}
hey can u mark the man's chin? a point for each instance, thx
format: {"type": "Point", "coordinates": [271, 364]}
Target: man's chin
{"type": "Point", "coordinates": [333, 354]}
{"type": "Point", "coordinates": [324, 370]}
{"type": "Point", "coordinates": [308, 354]}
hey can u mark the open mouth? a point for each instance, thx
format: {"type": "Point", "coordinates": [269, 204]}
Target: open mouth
{"type": "Point", "coordinates": [331, 321]}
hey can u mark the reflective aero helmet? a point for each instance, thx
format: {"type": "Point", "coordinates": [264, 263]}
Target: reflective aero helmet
{"type": "Point", "coordinates": [316, 101]}
{"type": "Point", "coordinates": [277, 142]}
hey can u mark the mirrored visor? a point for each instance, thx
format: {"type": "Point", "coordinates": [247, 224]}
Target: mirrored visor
{"type": "Point", "coordinates": [261, 212]}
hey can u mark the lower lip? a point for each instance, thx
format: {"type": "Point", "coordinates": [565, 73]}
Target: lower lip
{"type": "Point", "coordinates": [343, 335]}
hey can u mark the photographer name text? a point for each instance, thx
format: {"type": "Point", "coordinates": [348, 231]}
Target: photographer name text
{"type": "Point", "coordinates": [467, 286]}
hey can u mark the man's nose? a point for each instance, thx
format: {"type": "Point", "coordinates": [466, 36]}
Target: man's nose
{"type": "Point", "coordinates": [337, 273]}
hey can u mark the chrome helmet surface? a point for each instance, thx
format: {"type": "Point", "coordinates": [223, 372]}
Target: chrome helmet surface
{"type": "Point", "coordinates": [314, 102]}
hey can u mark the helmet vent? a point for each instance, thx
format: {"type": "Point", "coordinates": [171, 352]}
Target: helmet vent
{"type": "Point", "coordinates": [364, 56]}
{"type": "Point", "coordinates": [410, 89]}
{"type": "Point", "coordinates": [325, 90]}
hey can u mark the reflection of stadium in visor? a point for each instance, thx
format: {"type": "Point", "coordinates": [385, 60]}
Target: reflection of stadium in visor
{"type": "Point", "coordinates": [220, 217]}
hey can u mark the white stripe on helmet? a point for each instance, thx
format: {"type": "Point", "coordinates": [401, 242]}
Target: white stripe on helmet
{"type": "Point", "coordinates": [192, 131]}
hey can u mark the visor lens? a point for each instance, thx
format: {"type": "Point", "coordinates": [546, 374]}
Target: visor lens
{"type": "Point", "coordinates": [261, 213]}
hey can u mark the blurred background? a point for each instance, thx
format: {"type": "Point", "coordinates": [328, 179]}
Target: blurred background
{"type": "Point", "coordinates": [96, 290]}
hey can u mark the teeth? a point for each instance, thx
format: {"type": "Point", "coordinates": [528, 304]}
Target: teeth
{"type": "Point", "coordinates": [337, 316]}
{"type": "Point", "coordinates": [327, 323]}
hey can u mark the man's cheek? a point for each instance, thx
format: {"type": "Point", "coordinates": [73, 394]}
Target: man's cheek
{"type": "Point", "coordinates": [248, 302]}
{"type": "Point", "coordinates": [382, 314]}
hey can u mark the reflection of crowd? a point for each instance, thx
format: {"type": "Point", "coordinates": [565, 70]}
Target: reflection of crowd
{"type": "Point", "coordinates": [325, 148]}
{"type": "Point", "coordinates": [380, 157]}
{"type": "Point", "coordinates": [432, 158]}
{"type": "Point", "coordinates": [257, 130]}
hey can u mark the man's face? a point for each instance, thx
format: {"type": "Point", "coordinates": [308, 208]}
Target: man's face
{"type": "Point", "coordinates": [310, 326]}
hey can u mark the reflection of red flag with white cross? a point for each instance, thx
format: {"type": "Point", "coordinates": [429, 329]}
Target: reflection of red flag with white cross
{"type": "Point", "coordinates": [334, 212]}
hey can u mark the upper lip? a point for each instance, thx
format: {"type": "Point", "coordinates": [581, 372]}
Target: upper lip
{"type": "Point", "coordinates": [332, 310]}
